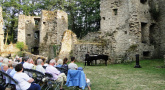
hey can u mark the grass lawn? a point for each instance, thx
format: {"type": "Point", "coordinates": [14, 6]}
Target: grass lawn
{"type": "Point", "coordinates": [126, 77]}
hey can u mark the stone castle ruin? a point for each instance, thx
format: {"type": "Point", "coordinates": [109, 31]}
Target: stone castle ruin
{"type": "Point", "coordinates": [128, 27]}
{"type": "Point", "coordinates": [41, 33]}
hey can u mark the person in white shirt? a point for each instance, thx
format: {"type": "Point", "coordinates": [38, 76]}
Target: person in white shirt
{"type": "Point", "coordinates": [39, 67]}
{"type": "Point", "coordinates": [28, 65]}
{"type": "Point", "coordinates": [72, 65]}
{"type": "Point", "coordinates": [24, 81]}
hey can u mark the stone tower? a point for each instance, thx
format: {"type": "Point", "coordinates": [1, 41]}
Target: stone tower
{"type": "Point", "coordinates": [28, 31]}
{"type": "Point", "coordinates": [128, 24]}
{"type": "Point", "coordinates": [53, 25]}
{"type": "Point", "coordinates": [1, 31]}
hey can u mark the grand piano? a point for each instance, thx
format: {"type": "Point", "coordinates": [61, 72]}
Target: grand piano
{"type": "Point", "coordinates": [90, 58]}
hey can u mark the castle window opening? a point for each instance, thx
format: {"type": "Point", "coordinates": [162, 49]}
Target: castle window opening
{"type": "Point", "coordinates": [143, 1]}
{"type": "Point", "coordinates": [44, 22]}
{"type": "Point", "coordinates": [144, 32]}
{"type": "Point", "coordinates": [125, 32]}
{"type": "Point", "coordinates": [37, 20]}
{"type": "Point", "coordinates": [28, 34]}
{"type": "Point", "coordinates": [146, 53]}
{"type": "Point", "coordinates": [115, 11]}
{"type": "Point", "coordinates": [151, 34]}
{"type": "Point", "coordinates": [103, 18]}
{"type": "Point", "coordinates": [36, 34]}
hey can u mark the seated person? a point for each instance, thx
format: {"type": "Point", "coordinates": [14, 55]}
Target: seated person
{"type": "Point", "coordinates": [27, 63]}
{"type": "Point", "coordinates": [24, 81]}
{"type": "Point", "coordinates": [13, 71]}
{"type": "Point", "coordinates": [59, 77]}
{"type": "Point", "coordinates": [87, 80]}
{"type": "Point", "coordinates": [46, 63]}
{"type": "Point", "coordinates": [77, 78]}
{"type": "Point", "coordinates": [72, 65]}
{"type": "Point", "coordinates": [59, 63]}
{"type": "Point", "coordinates": [65, 65]}
{"type": "Point", "coordinates": [39, 67]}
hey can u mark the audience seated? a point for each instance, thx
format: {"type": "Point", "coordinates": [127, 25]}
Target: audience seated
{"type": "Point", "coordinates": [65, 65]}
{"type": "Point", "coordinates": [10, 68]}
{"type": "Point", "coordinates": [13, 71]}
{"type": "Point", "coordinates": [46, 63]}
{"type": "Point", "coordinates": [39, 67]}
{"type": "Point", "coordinates": [72, 65]}
{"type": "Point", "coordinates": [23, 60]}
{"type": "Point", "coordinates": [59, 77]}
{"type": "Point", "coordinates": [59, 63]}
{"type": "Point", "coordinates": [76, 78]}
{"type": "Point", "coordinates": [27, 63]}
{"type": "Point", "coordinates": [24, 81]}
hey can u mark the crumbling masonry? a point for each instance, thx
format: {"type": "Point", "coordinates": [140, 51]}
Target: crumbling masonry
{"type": "Point", "coordinates": [128, 27]}
{"type": "Point", "coordinates": [41, 33]}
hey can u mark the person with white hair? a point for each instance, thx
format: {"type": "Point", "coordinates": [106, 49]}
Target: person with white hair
{"type": "Point", "coordinates": [39, 67]}
{"type": "Point", "coordinates": [59, 77]}
{"type": "Point", "coordinates": [5, 62]}
{"type": "Point", "coordinates": [59, 63]}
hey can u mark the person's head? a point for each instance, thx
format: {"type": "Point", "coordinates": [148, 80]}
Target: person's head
{"type": "Point", "coordinates": [19, 67]}
{"type": "Point", "coordinates": [25, 59]}
{"type": "Point", "coordinates": [1, 59]}
{"type": "Point", "coordinates": [43, 59]}
{"type": "Point", "coordinates": [5, 67]}
{"type": "Point", "coordinates": [56, 58]}
{"type": "Point", "coordinates": [10, 65]}
{"type": "Point", "coordinates": [40, 62]}
{"type": "Point", "coordinates": [5, 60]}
{"type": "Point", "coordinates": [60, 62]}
{"type": "Point", "coordinates": [52, 62]}
{"type": "Point", "coordinates": [72, 59]}
{"type": "Point", "coordinates": [47, 61]}
{"type": "Point", "coordinates": [30, 61]}
{"type": "Point", "coordinates": [65, 61]}
{"type": "Point", "coordinates": [14, 64]}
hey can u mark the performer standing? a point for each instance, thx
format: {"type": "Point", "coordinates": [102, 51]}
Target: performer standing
{"type": "Point", "coordinates": [87, 59]}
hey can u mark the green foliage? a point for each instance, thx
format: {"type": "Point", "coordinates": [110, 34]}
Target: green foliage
{"type": "Point", "coordinates": [125, 76]}
{"type": "Point", "coordinates": [20, 45]}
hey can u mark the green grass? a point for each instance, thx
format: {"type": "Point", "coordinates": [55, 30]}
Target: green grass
{"type": "Point", "coordinates": [126, 77]}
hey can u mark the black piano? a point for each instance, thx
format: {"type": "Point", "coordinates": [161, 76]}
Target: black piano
{"type": "Point", "coordinates": [90, 58]}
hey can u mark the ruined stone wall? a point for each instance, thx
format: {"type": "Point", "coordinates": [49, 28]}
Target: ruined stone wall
{"type": "Point", "coordinates": [53, 24]}
{"type": "Point", "coordinates": [126, 23]}
{"type": "Point", "coordinates": [80, 49]}
{"type": "Point", "coordinates": [1, 31]}
{"type": "Point", "coordinates": [160, 22]}
{"type": "Point", "coordinates": [26, 31]}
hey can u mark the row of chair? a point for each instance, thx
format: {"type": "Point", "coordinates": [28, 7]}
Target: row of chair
{"type": "Point", "coordinates": [42, 79]}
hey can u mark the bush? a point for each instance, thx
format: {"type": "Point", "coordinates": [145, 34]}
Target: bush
{"type": "Point", "coordinates": [21, 46]}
